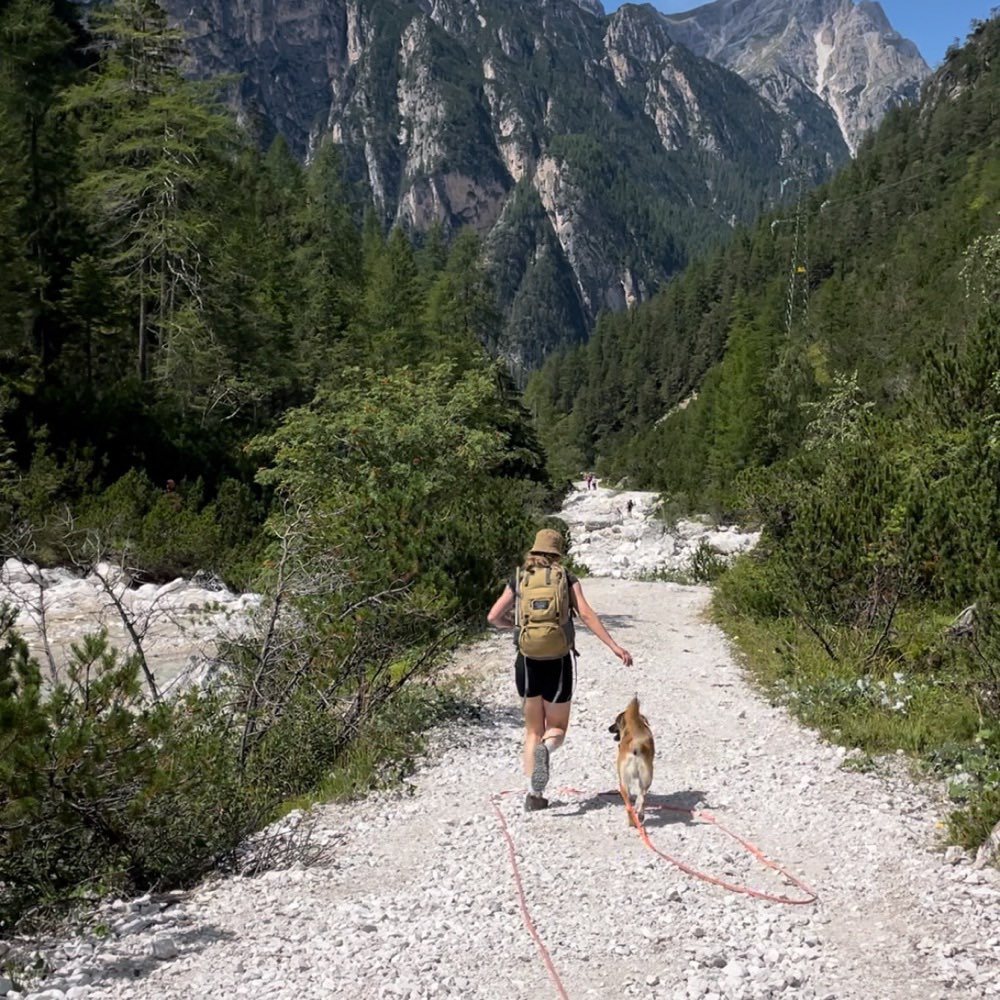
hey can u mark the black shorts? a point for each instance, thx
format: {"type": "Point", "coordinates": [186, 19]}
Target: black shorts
{"type": "Point", "coordinates": [550, 679]}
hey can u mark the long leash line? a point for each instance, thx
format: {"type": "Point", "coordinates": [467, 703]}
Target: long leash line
{"type": "Point", "coordinates": [707, 817]}
{"type": "Point", "coordinates": [810, 896]}
{"type": "Point", "coordinates": [525, 912]}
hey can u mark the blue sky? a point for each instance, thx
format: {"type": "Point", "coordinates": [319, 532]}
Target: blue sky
{"type": "Point", "coordinates": [932, 24]}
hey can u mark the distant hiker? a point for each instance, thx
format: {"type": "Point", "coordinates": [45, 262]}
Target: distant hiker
{"type": "Point", "coordinates": [588, 479]}
{"type": "Point", "coordinates": [593, 482]}
{"type": "Point", "coordinates": [539, 602]}
{"type": "Point", "coordinates": [629, 506]}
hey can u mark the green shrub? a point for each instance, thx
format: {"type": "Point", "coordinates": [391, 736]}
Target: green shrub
{"type": "Point", "coordinates": [85, 750]}
{"type": "Point", "coordinates": [197, 805]}
{"type": "Point", "coordinates": [118, 512]}
{"type": "Point", "coordinates": [751, 587]}
{"type": "Point", "coordinates": [102, 792]}
{"type": "Point", "coordinates": [707, 565]}
{"type": "Point", "coordinates": [164, 535]}
{"type": "Point", "coordinates": [971, 825]}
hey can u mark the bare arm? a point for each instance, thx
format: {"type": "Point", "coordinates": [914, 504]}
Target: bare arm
{"type": "Point", "coordinates": [502, 613]}
{"type": "Point", "coordinates": [589, 618]}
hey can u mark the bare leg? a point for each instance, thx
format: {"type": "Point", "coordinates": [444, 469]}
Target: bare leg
{"type": "Point", "coordinates": [556, 716]}
{"type": "Point", "coordinates": [534, 728]}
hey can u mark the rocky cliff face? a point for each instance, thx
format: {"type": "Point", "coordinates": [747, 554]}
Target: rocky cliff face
{"type": "Point", "coordinates": [833, 59]}
{"type": "Point", "coordinates": [594, 153]}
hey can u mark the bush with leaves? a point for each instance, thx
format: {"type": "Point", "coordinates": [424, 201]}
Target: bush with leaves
{"type": "Point", "coordinates": [102, 790]}
{"type": "Point", "coordinates": [160, 535]}
{"type": "Point", "coordinates": [399, 478]}
{"type": "Point", "coordinates": [396, 524]}
{"type": "Point", "coordinates": [77, 759]}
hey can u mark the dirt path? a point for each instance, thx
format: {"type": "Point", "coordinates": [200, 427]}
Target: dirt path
{"type": "Point", "coordinates": [421, 901]}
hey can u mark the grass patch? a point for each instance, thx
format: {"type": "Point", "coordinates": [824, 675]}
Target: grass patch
{"type": "Point", "coordinates": [879, 706]}
{"type": "Point", "coordinates": [666, 575]}
{"type": "Point", "coordinates": [917, 693]}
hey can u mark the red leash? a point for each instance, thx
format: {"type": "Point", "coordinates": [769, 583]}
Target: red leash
{"type": "Point", "coordinates": [811, 896]}
{"type": "Point", "coordinates": [700, 814]}
{"type": "Point", "coordinates": [525, 912]}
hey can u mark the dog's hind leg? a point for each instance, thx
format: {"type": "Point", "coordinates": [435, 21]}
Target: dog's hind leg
{"type": "Point", "coordinates": [640, 805]}
{"type": "Point", "coordinates": [628, 803]}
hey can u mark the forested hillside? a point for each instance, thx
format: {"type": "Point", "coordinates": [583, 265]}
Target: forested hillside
{"type": "Point", "coordinates": [834, 377]}
{"type": "Point", "coordinates": [211, 361]}
{"type": "Point", "coordinates": [168, 293]}
{"type": "Point", "coordinates": [877, 271]}
{"type": "Point", "coordinates": [592, 154]}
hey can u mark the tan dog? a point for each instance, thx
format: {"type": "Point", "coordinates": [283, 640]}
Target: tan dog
{"type": "Point", "coordinates": [635, 756]}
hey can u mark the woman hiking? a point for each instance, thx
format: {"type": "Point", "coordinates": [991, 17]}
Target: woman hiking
{"type": "Point", "coordinates": [539, 603]}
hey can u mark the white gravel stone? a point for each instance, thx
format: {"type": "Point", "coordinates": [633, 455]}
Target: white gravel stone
{"type": "Point", "coordinates": [164, 947]}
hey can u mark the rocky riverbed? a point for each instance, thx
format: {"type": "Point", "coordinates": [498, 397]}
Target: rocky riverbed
{"type": "Point", "coordinates": [179, 622]}
{"type": "Point", "coordinates": [618, 533]}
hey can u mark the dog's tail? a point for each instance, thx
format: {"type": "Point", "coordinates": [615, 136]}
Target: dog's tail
{"type": "Point", "coordinates": [642, 736]}
{"type": "Point", "coordinates": [635, 720]}
{"type": "Point", "coordinates": [632, 710]}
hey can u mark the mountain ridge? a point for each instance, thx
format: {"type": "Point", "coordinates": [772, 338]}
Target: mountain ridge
{"type": "Point", "coordinates": [603, 149]}
{"type": "Point", "coordinates": [829, 47]}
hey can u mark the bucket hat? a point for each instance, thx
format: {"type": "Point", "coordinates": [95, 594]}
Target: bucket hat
{"type": "Point", "coordinates": [548, 541]}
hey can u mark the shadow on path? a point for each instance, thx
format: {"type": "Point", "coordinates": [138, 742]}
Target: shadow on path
{"type": "Point", "coordinates": [663, 810]}
{"type": "Point", "coordinates": [614, 621]}
{"type": "Point", "coordinates": [480, 715]}
{"type": "Point", "coordinates": [660, 809]}
{"type": "Point", "coordinates": [132, 967]}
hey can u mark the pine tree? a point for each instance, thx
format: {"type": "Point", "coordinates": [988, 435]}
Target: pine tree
{"type": "Point", "coordinates": [328, 260]}
{"type": "Point", "coordinates": [461, 314]}
{"type": "Point", "coordinates": [392, 330]}
{"type": "Point", "coordinates": [151, 145]}
{"type": "Point", "coordinates": [34, 64]}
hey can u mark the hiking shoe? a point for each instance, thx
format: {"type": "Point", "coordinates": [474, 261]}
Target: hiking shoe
{"type": "Point", "coordinates": [534, 802]}
{"type": "Point", "coordinates": [540, 771]}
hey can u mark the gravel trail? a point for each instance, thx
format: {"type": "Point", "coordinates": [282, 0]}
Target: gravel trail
{"type": "Point", "coordinates": [420, 901]}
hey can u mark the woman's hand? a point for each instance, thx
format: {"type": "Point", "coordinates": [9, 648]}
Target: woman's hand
{"type": "Point", "coordinates": [623, 654]}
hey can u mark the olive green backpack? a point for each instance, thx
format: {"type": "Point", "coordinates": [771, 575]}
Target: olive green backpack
{"type": "Point", "coordinates": [542, 612]}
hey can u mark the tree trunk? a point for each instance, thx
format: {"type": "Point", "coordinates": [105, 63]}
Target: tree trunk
{"type": "Point", "coordinates": [141, 361]}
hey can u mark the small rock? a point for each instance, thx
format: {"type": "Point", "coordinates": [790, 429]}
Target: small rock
{"type": "Point", "coordinates": [164, 947]}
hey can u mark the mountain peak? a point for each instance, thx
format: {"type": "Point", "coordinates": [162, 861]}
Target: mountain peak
{"type": "Point", "coordinates": [845, 53]}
